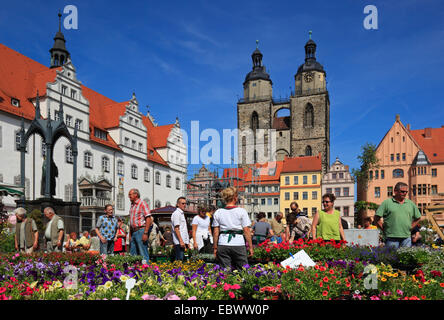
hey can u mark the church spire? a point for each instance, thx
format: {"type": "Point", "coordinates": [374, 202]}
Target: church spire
{"type": "Point", "coordinates": [310, 49]}
{"type": "Point", "coordinates": [59, 54]}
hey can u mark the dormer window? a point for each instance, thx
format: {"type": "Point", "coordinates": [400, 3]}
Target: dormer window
{"type": "Point", "coordinates": [99, 134]}
{"type": "Point", "coordinates": [15, 102]}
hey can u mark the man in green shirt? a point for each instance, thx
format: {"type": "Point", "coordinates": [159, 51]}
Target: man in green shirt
{"type": "Point", "coordinates": [396, 217]}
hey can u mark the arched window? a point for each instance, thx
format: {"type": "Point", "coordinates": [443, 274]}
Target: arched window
{"type": "Point", "coordinates": [68, 154]}
{"type": "Point", "coordinates": [308, 116]}
{"type": "Point", "coordinates": [308, 151]}
{"type": "Point", "coordinates": [105, 164]}
{"type": "Point", "coordinates": [146, 175]}
{"type": "Point", "coordinates": [158, 177]}
{"type": "Point", "coordinates": [177, 183]}
{"type": "Point", "coordinates": [254, 121]}
{"type": "Point", "coordinates": [398, 173]}
{"type": "Point", "coordinates": [133, 171]}
{"type": "Point", "coordinates": [88, 159]}
{"type": "Point", "coordinates": [120, 168]}
{"type": "Point", "coordinates": [168, 181]}
{"type": "Point", "coordinates": [157, 204]}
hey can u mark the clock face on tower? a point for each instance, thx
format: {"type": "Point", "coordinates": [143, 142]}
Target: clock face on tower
{"type": "Point", "coordinates": [308, 77]}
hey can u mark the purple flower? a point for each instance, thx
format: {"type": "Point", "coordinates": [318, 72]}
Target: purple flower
{"type": "Point", "coordinates": [256, 287]}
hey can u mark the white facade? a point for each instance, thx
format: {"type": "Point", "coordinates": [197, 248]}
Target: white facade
{"type": "Point", "coordinates": [339, 181]}
{"type": "Point", "coordinates": [95, 160]}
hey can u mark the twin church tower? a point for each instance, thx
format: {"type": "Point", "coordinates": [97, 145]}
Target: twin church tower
{"type": "Point", "coordinates": [305, 132]}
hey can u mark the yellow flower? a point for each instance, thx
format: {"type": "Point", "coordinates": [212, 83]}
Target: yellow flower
{"type": "Point", "coordinates": [33, 284]}
{"type": "Point", "coordinates": [124, 278]}
{"type": "Point", "coordinates": [57, 284]}
{"type": "Point", "coordinates": [383, 279]}
{"type": "Point", "coordinates": [108, 285]}
{"type": "Point", "coordinates": [395, 275]}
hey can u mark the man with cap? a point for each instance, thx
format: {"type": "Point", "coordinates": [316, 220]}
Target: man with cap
{"type": "Point", "coordinates": [26, 232]}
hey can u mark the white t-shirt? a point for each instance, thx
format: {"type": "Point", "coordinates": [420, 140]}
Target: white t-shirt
{"type": "Point", "coordinates": [48, 227]}
{"type": "Point", "coordinates": [231, 219]}
{"type": "Point", "coordinates": [178, 219]}
{"type": "Point", "coordinates": [202, 223]}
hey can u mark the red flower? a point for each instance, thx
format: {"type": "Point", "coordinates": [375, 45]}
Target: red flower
{"type": "Point", "coordinates": [423, 297]}
{"type": "Point", "coordinates": [442, 284]}
{"type": "Point", "coordinates": [331, 271]}
{"type": "Point", "coordinates": [325, 279]}
{"type": "Point", "coordinates": [325, 293]}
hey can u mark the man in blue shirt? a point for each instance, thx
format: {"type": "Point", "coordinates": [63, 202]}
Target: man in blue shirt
{"type": "Point", "coordinates": [106, 229]}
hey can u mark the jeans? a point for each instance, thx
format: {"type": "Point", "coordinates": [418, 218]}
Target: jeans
{"type": "Point", "coordinates": [179, 251]}
{"type": "Point", "coordinates": [139, 247]}
{"type": "Point", "coordinates": [107, 247]}
{"type": "Point", "coordinates": [398, 242]}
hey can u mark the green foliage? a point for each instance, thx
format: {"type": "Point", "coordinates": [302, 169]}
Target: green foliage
{"type": "Point", "coordinates": [368, 160]}
{"type": "Point", "coordinates": [7, 243]}
{"type": "Point", "coordinates": [364, 205]}
{"type": "Point", "coordinates": [37, 215]}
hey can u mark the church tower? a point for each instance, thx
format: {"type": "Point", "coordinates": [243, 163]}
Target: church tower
{"type": "Point", "coordinates": [59, 54]}
{"type": "Point", "coordinates": [310, 109]}
{"type": "Point", "coordinates": [254, 113]}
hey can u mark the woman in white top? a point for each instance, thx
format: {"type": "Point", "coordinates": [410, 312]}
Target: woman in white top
{"type": "Point", "coordinates": [231, 224]}
{"type": "Point", "coordinates": [201, 228]}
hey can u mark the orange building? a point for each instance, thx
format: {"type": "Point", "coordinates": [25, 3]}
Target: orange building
{"type": "Point", "coordinates": [415, 157]}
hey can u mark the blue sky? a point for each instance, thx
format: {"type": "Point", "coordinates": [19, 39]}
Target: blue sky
{"type": "Point", "coordinates": [189, 58]}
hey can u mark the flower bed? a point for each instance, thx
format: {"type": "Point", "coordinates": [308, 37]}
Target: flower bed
{"type": "Point", "coordinates": [339, 274]}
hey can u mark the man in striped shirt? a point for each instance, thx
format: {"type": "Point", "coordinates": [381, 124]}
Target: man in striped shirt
{"type": "Point", "coordinates": [140, 223]}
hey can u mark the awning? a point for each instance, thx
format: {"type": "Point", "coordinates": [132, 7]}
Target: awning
{"type": "Point", "coordinates": [6, 190]}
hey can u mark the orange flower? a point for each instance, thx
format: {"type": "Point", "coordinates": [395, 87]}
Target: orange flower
{"type": "Point", "coordinates": [419, 286]}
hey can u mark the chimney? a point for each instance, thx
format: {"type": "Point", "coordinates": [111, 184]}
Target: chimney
{"type": "Point", "coordinates": [408, 126]}
{"type": "Point", "coordinates": [428, 132]}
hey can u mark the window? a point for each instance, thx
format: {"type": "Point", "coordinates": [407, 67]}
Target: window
{"type": "Point", "coordinates": [68, 154]}
{"type": "Point", "coordinates": [64, 90]}
{"type": "Point", "coordinates": [341, 175]}
{"type": "Point", "coordinates": [15, 102]}
{"type": "Point", "coordinates": [88, 160]}
{"type": "Point", "coordinates": [370, 173]}
{"type": "Point", "coordinates": [263, 202]}
{"type": "Point", "coordinates": [69, 120]}
{"type": "Point", "coordinates": [314, 195]}
{"type": "Point", "coordinates": [414, 189]}
{"type": "Point", "coordinates": [346, 211]}
{"type": "Point", "coordinates": [377, 192]}
{"type": "Point", "coordinates": [105, 164]}
{"type": "Point", "coordinates": [262, 189]}
{"type": "Point", "coordinates": [68, 192]}
{"type": "Point", "coordinates": [382, 174]}
{"type": "Point", "coordinates": [99, 134]}
{"type": "Point", "coordinates": [276, 201]}
{"type": "Point", "coordinates": [304, 179]}
{"type": "Point", "coordinates": [126, 143]}
{"type": "Point", "coordinates": [287, 195]}
{"type": "Point", "coordinates": [434, 171]}
{"type": "Point", "coordinates": [177, 183]}
{"type": "Point", "coordinates": [136, 122]}
{"type": "Point", "coordinates": [168, 181]}
{"type": "Point", "coordinates": [79, 124]}
{"type": "Point", "coordinates": [392, 157]}
{"type": "Point", "coordinates": [133, 171]}
{"type": "Point", "coordinates": [269, 188]}
{"type": "Point", "coordinates": [403, 157]}
{"type": "Point", "coordinates": [397, 157]}
{"type": "Point", "coordinates": [434, 189]}
{"type": "Point", "coordinates": [314, 179]}
{"type": "Point", "coordinates": [295, 179]}
{"type": "Point", "coordinates": [337, 192]}
{"type": "Point", "coordinates": [376, 174]}
{"type": "Point", "coordinates": [158, 177]}
{"type": "Point", "coordinates": [276, 188]}
{"type": "Point", "coordinates": [73, 94]}
{"type": "Point", "coordinates": [157, 204]}
{"type": "Point", "coordinates": [308, 116]}
{"type": "Point", "coordinates": [133, 144]}
{"type": "Point", "coordinates": [390, 191]}
{"type": "Point", "coordinates": [56, 115]}
{"type": "Point", "coordinates": [304, 195]}
{"type": "Point", "coordinates": [419, 189]}
{"type": "Point", "coordinates": [329, 190]}
{"type": "Point", "coordinates": [120, 168]}
{"type": "Point", "coordinates": [17, 140]}
{"type": "Point", "coordinates": [334, 175]}
{"type": "Point", "coordinates": [313, 211]}
{"type": "Point", "coordinates": [120, 201]}
{"type": "Point", "coordinates": [308, 151]}
{"type": "Point", "coordinates": [305, 211]}
{"type": "Point", "coordinates": [424, 189]}
{"type": "Point", "coordinates": [140, 147]}
{"type": "Point", "coordinates": [295, 195]}
{"type": "Point", "coordinates": [146, 175]}
{"type": "Point", "coordinates": [398, 173]}
{"type": "Point", "coordinates": [287, 180]}
{"type": "Point", "coordinates": [346, 192]}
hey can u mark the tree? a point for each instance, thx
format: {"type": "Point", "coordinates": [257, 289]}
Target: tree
{"type": "Point", "coordinates": [368, 160]}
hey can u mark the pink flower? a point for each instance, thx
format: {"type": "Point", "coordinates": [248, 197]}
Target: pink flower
{"type": "Point", "coordinates": [2, 289]}
{"type": "Point", "coordinates": [192, 298]}
{"type": "Point", "coordinates": [115, 298]}
{"type": "Point", "coordinates": [231, 294]}
{"type": "Point", "coordinates": [375, 298]}
{"type": "Point", "coordinates": [235, 286]}
{"type": "Point", "coordinates": [214, 286]}
{"type": "Point", "coordinates": [400, 292]}
{"type": "Point", "coordinates": [227, 286]}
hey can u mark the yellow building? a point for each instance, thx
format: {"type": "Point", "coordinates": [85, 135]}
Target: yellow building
{"type": "Point", "coordinates": [300, 181]}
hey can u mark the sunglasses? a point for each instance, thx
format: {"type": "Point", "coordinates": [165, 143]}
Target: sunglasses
{"type": "Point", "coordinates": [402, 191]}
{"type": "Point", "coordinates": [326, 201]}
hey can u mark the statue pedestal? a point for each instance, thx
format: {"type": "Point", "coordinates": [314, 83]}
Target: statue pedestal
{"type": "Point", "coordinates": [68, 211]}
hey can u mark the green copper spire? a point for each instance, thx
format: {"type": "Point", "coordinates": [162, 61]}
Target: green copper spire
{"type": "Point", "coordinates": [309, 33]}
{"type": "Point", "coordinates": [257, 44]}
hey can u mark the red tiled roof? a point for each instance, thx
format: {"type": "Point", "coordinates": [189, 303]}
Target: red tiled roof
{"type": "Point", "coordinates": [431, 145]}
{"type": "Point", "coordinates": [21, 78]}
{"type": "Point", "coordinates": [246, 175]}
{"type": "Point", "coordinates": [281, 123]}
{"type": "Point", "coordinates": [302, 164]}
